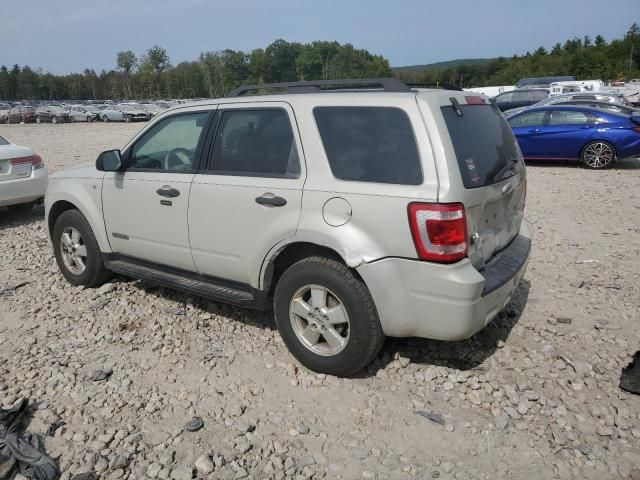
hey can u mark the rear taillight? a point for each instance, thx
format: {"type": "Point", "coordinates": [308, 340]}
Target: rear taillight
{"type": "Point", "coordinates": [439, 231]}
{"type": "Point", "coordinates": [35, 161]}
{"type": "Point", "coordinates": [636, 129]}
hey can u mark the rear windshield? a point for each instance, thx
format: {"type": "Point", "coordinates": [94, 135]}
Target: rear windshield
{"type": "Point", "coordinates": [485, 147]}
{"type": "Point", "coordinates": [369, 144]}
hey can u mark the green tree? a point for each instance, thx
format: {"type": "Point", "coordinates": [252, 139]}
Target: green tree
{"type": "Point", "coordinates": [126, 61]}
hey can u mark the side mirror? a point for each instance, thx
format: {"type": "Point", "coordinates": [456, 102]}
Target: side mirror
{"type": "Point", "coordinates": [109, 161]}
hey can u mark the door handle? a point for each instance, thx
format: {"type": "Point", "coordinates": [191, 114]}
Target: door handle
{"type": "Point", "coordinates": [535, 130]}
{"type": "Point", "coordinates": [269, 199]}
{"type": "Point", "coordinates": [168, 191]}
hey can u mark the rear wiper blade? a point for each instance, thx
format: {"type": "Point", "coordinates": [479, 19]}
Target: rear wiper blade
{"type": "Point", "coordinates": [456, 106]}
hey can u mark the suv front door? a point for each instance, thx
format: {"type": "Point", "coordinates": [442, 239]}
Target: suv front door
{"type": "Point", "coordinates": [248, 198]}
{"type": "Point", "coordinates": [145, 207]}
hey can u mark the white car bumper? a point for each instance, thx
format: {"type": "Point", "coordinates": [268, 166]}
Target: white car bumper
{"type": "Point", "coordinates": [24, 190]}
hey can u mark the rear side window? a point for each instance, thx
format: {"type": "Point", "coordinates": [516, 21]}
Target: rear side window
{"type": "Point", "coordinates": [568, 117]}
{"type": "Point", "coordinates": [485, 147]}
{"type": "Point", "coordinates": [369, 144]}
{"type": "Point", "coordinates": [255, 143]}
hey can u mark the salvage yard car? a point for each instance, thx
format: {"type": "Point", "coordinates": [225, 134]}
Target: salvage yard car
{"type": "Point", "coordinates": [52, 114]}
{"type": "Point", "coordinates": [23, 178]}
{"type": "Point", "coordinates": [593, 136]}
{"type": "Point", "coordinates": [374, 210]}
{"type": "Point", "coordinates": [124, 113]}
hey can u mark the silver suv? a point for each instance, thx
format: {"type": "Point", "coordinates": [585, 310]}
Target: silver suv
{"type": "Point", "coordinates": [354, 208]}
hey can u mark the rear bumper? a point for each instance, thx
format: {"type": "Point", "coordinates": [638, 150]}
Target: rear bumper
{"type": "Point", "coordinates": [445, 302]}
{"type": "Point", "coordinates": [23, 190]}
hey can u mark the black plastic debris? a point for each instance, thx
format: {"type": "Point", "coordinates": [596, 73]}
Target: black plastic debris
{"type": "Point", "coordinates": [99, 375]}
{"type": "Point", "coordinates": [434, 417]}
{"type": "Point", "coordinates": [194, 424]}
{"type": "Point", "coordinates": [51, 431]}
{"type": "Point", "coordinates": [630, 377]}
{"type": "Point", "coordinates": [23, 452]}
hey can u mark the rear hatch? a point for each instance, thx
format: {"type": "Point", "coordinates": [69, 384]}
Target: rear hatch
{"type": "Point", "coordinates": [481, 167]}
{"type": "Point", "coordinates": [15, 162]}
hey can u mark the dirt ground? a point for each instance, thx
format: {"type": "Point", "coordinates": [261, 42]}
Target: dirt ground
{"type": "Point", "coordinates": [534, 395]}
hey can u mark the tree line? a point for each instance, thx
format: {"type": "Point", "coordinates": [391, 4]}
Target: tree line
{"type": "Point", "coordinates": [215, 73]}
{"type": "Point", "coordinates": [584, 58]}
{"type": "Point", "coordinates": [212, 75]}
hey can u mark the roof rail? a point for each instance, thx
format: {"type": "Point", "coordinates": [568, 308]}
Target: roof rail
{"type": "Point", "coordinates": [440, 85]}
{"type": "Point", "coordinates": [317, 86]}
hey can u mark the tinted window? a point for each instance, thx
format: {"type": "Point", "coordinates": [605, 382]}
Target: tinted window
{"type": "Point", "coordinates": [257, 143]}
{"type": "Point", "coordinates": [484, 144]}
{"type": "Point", "coordinates": [369, 144]}
{"type": "Point", "coordinates": [537, 95]}
{"type": "Point", "coordinates": [527, 120]}
{"type": "Point", "coordinates": [504, 97]}
{"type": "Point", "coordinates": [169, 145]}
{"type": "Point", "coordinates": [567, 117]}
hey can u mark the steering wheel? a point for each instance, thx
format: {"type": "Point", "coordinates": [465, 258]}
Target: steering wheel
{"type": "Point", "coordinates": [177, 157]}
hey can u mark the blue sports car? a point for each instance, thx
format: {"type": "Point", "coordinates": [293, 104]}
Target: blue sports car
{"type": "Point", "coordinates": [594, 137]}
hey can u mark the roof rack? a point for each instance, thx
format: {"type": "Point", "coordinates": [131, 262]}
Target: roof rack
{"type": "Point", "coordinates": [318, 86]}
{"type": "Point", "coordinates": [440, 85]}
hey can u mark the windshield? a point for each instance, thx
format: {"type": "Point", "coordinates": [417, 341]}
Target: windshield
{"type": "Point", "coordinates": [485, 147]}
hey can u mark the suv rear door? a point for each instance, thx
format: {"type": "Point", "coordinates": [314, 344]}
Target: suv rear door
{"type": "Point", "coordinates": [481, 166]}
{"type": "Point", "coordinates": [248, 197]}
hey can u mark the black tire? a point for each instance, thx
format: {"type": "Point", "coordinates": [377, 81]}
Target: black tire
{"type": "Point", "coordinates": [365, 336]}
{"type": "Point", "coordinates": [72, 119]}
{"type": "Point", "coordinates": [95, 273]}
{"type": "Point", "coordinates": [89, 119]}
{"type": "Point", "coordinates": [105, 119]}
{"type": "Point", "coordinates": [596, 162]}
{"type": "Point", "coordinates": [54, 120]}
{"type": "Point", "coordinates": [127, 118]}
{"type": "Point", "coordinates": [21, 207]}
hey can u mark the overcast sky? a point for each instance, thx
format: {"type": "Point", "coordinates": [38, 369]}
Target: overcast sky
{"type": "Point", "coordinates": [70, 35]}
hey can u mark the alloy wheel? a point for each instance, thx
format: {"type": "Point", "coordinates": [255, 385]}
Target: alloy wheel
{"type": "Point", "coordinates": [320, 320]}
{"type": "Point", "coordinates": [74, 251]}
{"type": "Point", "coordinates": [598, 155]}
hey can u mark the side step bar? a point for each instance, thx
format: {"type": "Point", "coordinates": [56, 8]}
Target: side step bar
{"type": "Point", "coordinates": [201, 285]}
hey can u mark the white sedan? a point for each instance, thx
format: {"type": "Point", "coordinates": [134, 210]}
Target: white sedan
{"type": "Point", "coordinates": [23, 178]}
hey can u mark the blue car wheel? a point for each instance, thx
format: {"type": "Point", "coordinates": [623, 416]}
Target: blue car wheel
{"type": "Point", "coordinates": [598, 154]}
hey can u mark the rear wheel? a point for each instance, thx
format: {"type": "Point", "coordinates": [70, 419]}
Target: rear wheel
{"type": "Point", "coordinates": [598, 154]}
{"type": "Point", "coordinates": [77, 252]}
{"type": "Point", "coordinates": [21, 207]}
{"type": "Point", "coordinates": [326, 317]}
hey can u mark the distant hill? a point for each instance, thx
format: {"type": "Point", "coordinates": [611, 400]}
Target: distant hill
{"type": "Point", "coordinates": [443, 65]}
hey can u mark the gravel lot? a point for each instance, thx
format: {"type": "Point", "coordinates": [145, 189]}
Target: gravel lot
{"type": "Point", "coordinates": [535, 395]}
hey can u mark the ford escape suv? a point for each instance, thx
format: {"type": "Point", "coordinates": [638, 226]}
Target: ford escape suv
{"type": "Point", "coordinates": [356, 209]}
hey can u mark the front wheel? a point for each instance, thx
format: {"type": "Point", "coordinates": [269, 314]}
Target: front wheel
{"type": "Point", "coordinates": [76, 250]}
{"type": "Point", "coordinates": [128, 118]}
{"type": "Point", "coordinates": [598, 154]}
{"type": "Point", "coordinates": [105, 119]}
{"type": "Point", "coordinates": [326, 317]}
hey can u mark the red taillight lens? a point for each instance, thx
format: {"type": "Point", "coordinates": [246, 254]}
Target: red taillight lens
{"type": "Point", "coordinates": [636, 129]}
{"type": "Point", "coordinates": [439, 231]}
{"type": "Point", "coordinates": [474, 100]}
{"type": "Point", "coordinates": [35, 161]}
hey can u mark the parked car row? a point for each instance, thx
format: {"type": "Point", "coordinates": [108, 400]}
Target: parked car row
{"type": "Point", "coordinates": [60, 112]}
